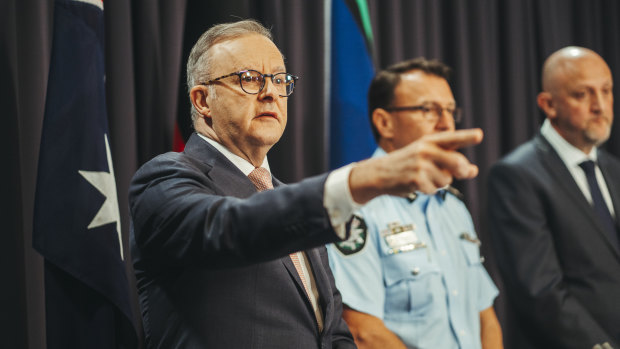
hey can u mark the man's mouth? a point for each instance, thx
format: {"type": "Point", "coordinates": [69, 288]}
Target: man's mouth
{"type": "Point", "coordinates": [601, 119]}
{"type": "Point", "coordinates": [267, 114]}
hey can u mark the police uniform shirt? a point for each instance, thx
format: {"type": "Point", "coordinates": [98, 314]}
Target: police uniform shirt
{"type": "Point", "coordinates": [416, 265]}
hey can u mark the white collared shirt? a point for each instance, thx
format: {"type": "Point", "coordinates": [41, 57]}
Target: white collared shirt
{"type": "Point", "coordinates": [572, 157]}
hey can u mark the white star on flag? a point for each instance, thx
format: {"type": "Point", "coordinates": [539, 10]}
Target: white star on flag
{"type": "Point", "coordinates": [106, 184]}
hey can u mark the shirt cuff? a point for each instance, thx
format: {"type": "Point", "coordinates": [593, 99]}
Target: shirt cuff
{"type": "Point", "coordinates": [338, 200]}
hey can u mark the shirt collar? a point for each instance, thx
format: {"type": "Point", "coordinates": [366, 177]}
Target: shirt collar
{"type": "Point", "coordinates": [570, 155]}
{"type": "Point", "coordinates": [242, 164]}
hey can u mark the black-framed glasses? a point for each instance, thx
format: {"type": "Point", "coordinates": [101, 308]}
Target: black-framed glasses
{"type": "Point", "coordinates": [252, 81]}
{"type": "Point", "coordinates": [431, 111]}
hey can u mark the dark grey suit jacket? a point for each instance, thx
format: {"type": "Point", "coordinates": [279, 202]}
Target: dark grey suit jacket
{"type": "Point", "coordinates": [560, 269]}
{"type": "Point", "coordinates": [211, 256]}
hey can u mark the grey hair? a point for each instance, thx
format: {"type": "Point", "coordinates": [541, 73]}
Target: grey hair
{"type": "Point", "coordinates": [198, 63]}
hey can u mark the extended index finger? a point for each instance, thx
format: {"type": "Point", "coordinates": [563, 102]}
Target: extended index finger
{"type": "Point", "coordinates": [457, 139]}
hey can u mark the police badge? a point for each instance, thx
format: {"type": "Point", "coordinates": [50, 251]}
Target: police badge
{"type": "Point", "coordinates": [357, 237]}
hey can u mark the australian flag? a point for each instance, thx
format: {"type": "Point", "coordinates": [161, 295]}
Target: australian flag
{"type": "Point", "coordinates": [76, 219]}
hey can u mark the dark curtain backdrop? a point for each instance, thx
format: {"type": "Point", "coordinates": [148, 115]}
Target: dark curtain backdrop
{"type": "Point", "coordinates": [496, 48]}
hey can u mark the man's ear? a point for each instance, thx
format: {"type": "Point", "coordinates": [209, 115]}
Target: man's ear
{"type": "Point", "coordinates": [383, 122]}
{"type": "Point", "coordinates": [545, 102]}
{"type": "Point", "coordinates": [198, 95]}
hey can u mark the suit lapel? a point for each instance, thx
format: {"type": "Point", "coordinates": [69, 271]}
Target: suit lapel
{"type": "Point", "coordinates": [320, 279]}
{"type": "Point", "coordinates": [611, 180]}
{"type": "Point", "coordinates": [232, 180]}
{"type": "Point", "coordinates": [556, 167]}
{"type": "Point", "coordinates": [322, 285]}
{"type": "Point", "coordinates": [290, 267]}
{"type": "Point", "coordinates": [224, 174]}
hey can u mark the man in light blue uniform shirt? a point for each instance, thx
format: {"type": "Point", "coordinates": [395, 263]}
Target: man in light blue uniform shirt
{"type": "Point", "coordinates": [411, 274]}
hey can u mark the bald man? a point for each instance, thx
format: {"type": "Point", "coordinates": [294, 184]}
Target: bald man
{"type": "Point", "coordinates": [554, 204]}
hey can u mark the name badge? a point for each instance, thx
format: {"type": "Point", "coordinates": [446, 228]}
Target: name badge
{"type": "Point", "coordinates": [402, 238]}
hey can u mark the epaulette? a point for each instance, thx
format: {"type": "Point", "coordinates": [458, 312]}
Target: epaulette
{"type": "Point", "coordinates": [452, 190]}
{"type": "Point", "coordinates": [411, 197]}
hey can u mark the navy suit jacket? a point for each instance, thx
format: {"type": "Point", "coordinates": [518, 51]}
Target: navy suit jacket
{"type": "Point", "coordinates": [211, 256]}
{"type": "Point", "coordinates": [561, 271]}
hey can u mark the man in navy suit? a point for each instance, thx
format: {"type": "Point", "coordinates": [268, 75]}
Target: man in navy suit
{"type": "Point", "coordinates": [554, 205]}
{"type": "Point", "coordinates": [219, 265]}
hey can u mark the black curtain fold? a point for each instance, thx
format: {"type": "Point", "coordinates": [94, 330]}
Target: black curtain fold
{"type": "Point", "coordinates": [298, 31]}
{"type": "Point", "coordinates": [25, 34]}
{"type": "Point", "coordinates": [158, 36]}
{"type": "Point", "coordinates": [496, 49]}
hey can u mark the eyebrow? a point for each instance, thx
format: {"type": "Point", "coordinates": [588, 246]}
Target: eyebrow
{"type": "Point", "coordinates": [278, 69]}
{"type": "Point", "coordinates": [451, 103]}
{"type": "Point", "coordinates": [589, 86]}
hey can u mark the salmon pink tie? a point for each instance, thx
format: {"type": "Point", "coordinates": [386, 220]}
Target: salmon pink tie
{"type": "Point", "coordinates": [261, 179]}
{"type": "Point", "coordinates": [295, 258]}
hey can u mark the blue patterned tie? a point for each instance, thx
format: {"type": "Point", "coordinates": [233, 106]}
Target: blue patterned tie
{"type": "Point", "coordinates": [599, 204]}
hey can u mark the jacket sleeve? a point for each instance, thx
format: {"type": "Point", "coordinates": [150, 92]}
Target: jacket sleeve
{"type": "Point", "coordinates": [181, 217]}
{"type": "Point", "coordinates": [526, 253]}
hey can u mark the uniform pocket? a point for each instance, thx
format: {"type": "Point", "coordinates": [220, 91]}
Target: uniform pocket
{"type": "Point", "coordinates": [471, 248]}
{"type": "Point", "coordinates": [410, 280]}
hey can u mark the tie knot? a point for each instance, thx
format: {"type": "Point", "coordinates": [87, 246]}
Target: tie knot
{"type": "Point", "coordinates": [588, 167]}
{"type": "Point", "coordinates": [261, 179]}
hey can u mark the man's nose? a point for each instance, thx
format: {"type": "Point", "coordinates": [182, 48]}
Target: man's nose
{"type": "Point", "coordinates": [597, 102]}
{"type": "Point", "coordinates": [268, 90]}
{"type": "Point", "coordinates": [445, 120]}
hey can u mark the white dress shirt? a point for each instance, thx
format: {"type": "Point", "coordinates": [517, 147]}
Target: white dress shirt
{"type": "Point", "coordinates": [572, 157]}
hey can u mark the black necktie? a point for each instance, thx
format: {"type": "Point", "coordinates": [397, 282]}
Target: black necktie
{"type": "Point", "coordinates": [599, 204]}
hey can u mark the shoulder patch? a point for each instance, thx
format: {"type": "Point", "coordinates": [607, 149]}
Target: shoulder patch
{"type": "Point", "coordinates": [358, 232]}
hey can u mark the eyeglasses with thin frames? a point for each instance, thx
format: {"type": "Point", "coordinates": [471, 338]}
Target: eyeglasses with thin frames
{"type": "Point", "coordinates": [431, 112]}
{"type": "Point", "coordinates": [252, 81]}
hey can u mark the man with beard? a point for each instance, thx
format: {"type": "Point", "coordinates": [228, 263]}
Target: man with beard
{"type": "Point", "coordinates": [554, 204]}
